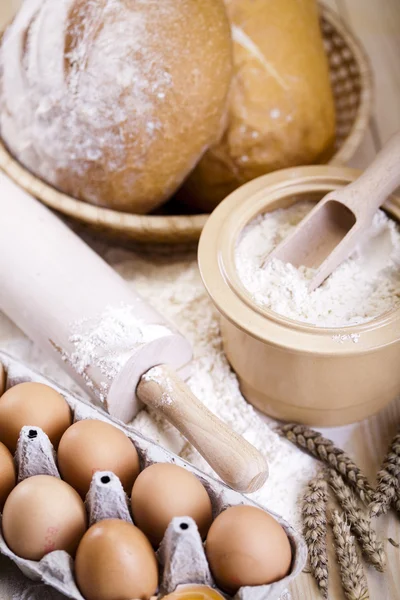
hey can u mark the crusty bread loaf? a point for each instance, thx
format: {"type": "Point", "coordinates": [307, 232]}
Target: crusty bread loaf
{"type": "Point", "coordinates": [114, 101]}
{"type": "Point", "coordinates": [281, 108]}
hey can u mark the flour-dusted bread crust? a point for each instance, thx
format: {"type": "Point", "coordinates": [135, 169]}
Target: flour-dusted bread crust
{"type": "Point", "coordinates": [114, 101]}
{"type": "Point", "coordinates": [281, 107]}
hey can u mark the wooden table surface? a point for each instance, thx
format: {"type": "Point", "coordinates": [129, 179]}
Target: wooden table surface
{"type": "Point", "coordinates": [377, 24]}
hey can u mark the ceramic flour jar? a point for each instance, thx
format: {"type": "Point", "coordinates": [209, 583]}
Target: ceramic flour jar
{"type": "Point", "coordinates": [288, 369]}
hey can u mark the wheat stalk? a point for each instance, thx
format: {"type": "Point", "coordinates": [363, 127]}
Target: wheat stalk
{"type": "Point", "coordinates": [334, 457]}
{"type": "Point", "coordinates": [352, 573]}
{"type": "Point", "coordinates": [387, 486]}
{"type": "Point", "coordinates": [360, 524]}
{"type": "Point", "coordinates": [315, 528]}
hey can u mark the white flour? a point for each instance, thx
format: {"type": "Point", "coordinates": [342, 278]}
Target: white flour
{"type": "Point", "coordinates": [173, 285]}
{"type": "Point", "coordinates": [362, 288]}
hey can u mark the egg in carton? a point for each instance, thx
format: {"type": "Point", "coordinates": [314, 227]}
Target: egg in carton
{"type": "Point", "coordinates": [181, 554]}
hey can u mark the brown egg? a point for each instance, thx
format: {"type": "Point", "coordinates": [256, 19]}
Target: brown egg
{"type": "Point", "coordinates": [2, 379]}
{"type": "Point", "coordinates": [7, 474]}
{"type": "Point", "coordinates": [43, 514]}
{"type": "Point", "coordinates": [246, 546]}
{"type": "Point", "coordinates": [194, 592]}
{"type": "Point", "coordinates": [33, 404]}
{"type": "Point", "coordinates": [164, 491]}
{"type": "Point", "coordinates": [91, 445]}
{"type": "Point", "coordinates": [115, 561]}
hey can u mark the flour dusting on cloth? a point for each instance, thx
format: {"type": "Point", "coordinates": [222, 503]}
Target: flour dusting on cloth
{"type": "Point", "coordinates": [362, 288]}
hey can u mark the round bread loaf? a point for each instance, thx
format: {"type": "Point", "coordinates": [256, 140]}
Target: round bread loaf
{"type": "Point", "coordinates": [114, 102]}
{"type": "Point", "coordinates": [281, 110]}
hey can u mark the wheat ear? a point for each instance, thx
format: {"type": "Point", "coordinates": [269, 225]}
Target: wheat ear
{"type": "Point", "coordinates": [324, 449]}
{"type": "Point", "coordinates": [352, 574]}
{"type": "Point", "coordinates": [315, 529]}
{"type": "Point", "coordinates": [360, 524]}
{"type": "Point", "coordinates": [387, 481]}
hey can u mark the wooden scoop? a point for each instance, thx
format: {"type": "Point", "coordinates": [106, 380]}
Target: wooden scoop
{"type": "Point", "coordinates": [330, 232]}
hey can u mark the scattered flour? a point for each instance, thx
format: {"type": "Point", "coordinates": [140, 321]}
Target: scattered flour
{"type": "Point", "coordinates": [362, 288]}
{"type": "Point", "coordinates": [342, 338]}
{"type": "Point", "coordinates": [173, 286]}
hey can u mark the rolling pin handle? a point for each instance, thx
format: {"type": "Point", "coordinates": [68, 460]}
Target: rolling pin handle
{"type": "Point", "coordinates": [236, 461]}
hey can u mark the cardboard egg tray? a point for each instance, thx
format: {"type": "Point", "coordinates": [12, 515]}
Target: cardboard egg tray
{"type": "Point", "coordinates": [181, 555]}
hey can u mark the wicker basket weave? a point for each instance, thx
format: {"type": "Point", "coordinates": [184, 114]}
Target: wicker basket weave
{"type": "Point", "coordinates": [352, 87]}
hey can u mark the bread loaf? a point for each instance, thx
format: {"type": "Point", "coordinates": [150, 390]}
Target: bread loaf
{"type": "Point", "coordinates": [281, 109]}
{"type": "Point", "coordinates": [114, 101]}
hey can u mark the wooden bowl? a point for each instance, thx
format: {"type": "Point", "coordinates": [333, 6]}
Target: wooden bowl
{"type": "Point", "coordinates": [352, 88]}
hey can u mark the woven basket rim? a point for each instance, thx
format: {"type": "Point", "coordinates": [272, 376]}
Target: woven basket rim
{"type": "Point", "coordinates": [361, 122]}
{"type": "Point", "coordinates": [184, 228]}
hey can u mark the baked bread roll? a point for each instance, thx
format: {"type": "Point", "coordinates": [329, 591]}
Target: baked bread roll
{"type": "Point", "coordinates": [114, 101]}
{"type": "Point", "coordinates": [281, 109]}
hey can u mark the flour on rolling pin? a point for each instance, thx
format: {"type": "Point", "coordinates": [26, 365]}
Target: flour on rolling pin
{"type": "Point", "coordinates": [106, 341]}
{"type": "Point", "coordinates": [75, 305]}
{"type": "Point", "coordinates": [157, 375]}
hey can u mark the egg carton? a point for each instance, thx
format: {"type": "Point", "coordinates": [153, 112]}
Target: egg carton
{"type": "Point", "coordinates": [181, 554]}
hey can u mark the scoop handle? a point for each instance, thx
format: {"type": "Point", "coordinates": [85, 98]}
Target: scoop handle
{"type": "Point", "coordinates": [365, 195]}
{"type": "Point", "coordinates": [237, 462]}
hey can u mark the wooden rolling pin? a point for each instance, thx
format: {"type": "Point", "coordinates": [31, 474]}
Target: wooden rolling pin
{"type": "Point", "coordinates": [69, 301]}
